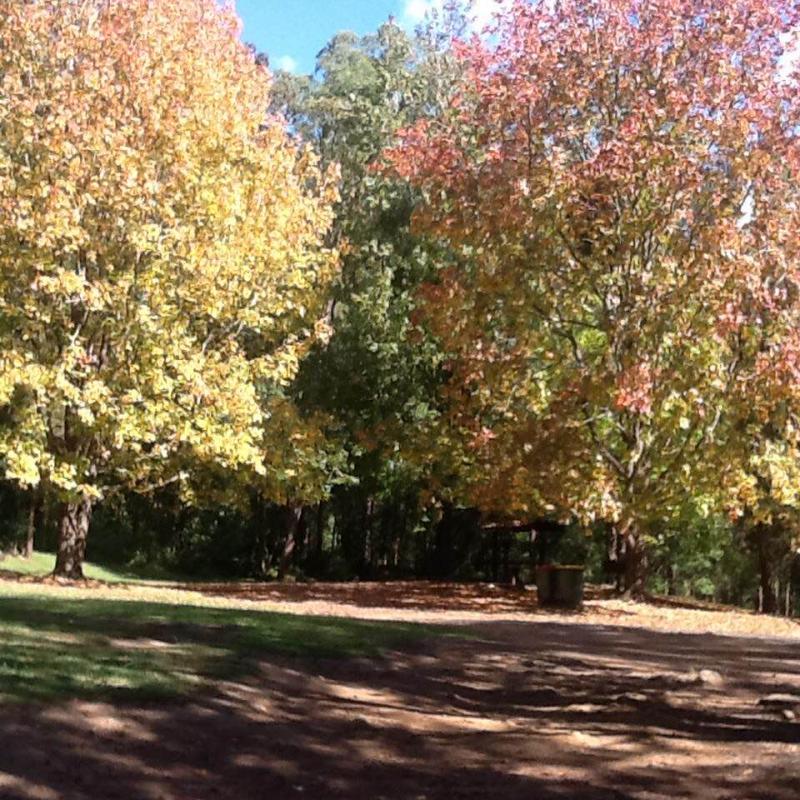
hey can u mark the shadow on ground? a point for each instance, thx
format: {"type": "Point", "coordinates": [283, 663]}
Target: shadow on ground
{"type": "Point", "coordinates": [543, 711]}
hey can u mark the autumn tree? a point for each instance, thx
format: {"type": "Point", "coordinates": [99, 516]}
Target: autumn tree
{"type": "Point", "coordinates": [623, 176]}
{"type": "Point", "coordinates": [765, 486]}
{"type": "Point", "coordinates": [161, 245]}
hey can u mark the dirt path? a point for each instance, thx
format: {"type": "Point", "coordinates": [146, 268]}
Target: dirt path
{"type": "Point", "coordinates": [538, 708]}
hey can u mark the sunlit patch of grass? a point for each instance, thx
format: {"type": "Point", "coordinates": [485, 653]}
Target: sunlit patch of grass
{"type": "Point", "coordinates": [56, 647]}
{"type": "Point", "coordinates": [35, 669]}
{"type": "Point", "coordinates": [41, 564]}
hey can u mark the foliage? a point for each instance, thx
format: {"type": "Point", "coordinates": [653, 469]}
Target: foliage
{"type": "Point", "coordinates": [357, 323]}
{"type": "Point", "coordinates": [377, 377]}
{"type": "Point", "coordinates": [364, 90]}
{"type": "Point", "coordinates": [623, 176]}
{"type": "Point", "coordinates": [160, 242]}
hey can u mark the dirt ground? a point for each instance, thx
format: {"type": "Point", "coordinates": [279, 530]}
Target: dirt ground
{"type": "Point", "coordinates": [623, 701]}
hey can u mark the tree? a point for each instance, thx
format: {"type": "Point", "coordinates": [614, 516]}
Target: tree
{"type": "Point", "coordinates": [768, 487]}
{"type": "Point", "coordinates": [377, 377]}
{"type": "Point", "coordinates": [623, 177]}
{"type": "Point", "coordinates": [161, 249]}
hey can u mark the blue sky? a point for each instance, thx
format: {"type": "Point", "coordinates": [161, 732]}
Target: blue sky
{"type": "Point", "coordinates": [292, 32]}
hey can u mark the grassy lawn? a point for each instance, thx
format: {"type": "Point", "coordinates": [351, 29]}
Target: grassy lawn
{"type": "Point", "coordinates": [54, 646]}
{"type": "Point", "coordinates": [41, 564]}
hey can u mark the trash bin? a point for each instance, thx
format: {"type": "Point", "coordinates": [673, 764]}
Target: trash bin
{"type": "Point", "coordinates": [560, 586]}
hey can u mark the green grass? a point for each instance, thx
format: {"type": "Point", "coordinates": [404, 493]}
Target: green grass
{"type": "Point", "coordinates": [41, 564]}
{"type": "Point", "coordinates": [56, 648]}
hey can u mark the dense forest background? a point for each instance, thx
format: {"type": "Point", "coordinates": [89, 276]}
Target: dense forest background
{"type": "Point", "coordinates": [378, 497]}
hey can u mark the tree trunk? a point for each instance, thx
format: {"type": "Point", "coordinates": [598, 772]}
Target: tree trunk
{"type": "Point", "coordinates": [495, 567]}
{"type": "Point", "coordinates": [672, 581]}
{"type": "Point", "coordinates": [27, 549]}
{"type": "Point", "coordinates": [34, 517]}
{"type": "Point", "coordinates": [506, 546]}
{"type": "Point", "coordinates": [293, 516]}
{"type": "Point", "coordinates": [634, 562]}
{"type": "Point", "coordinates": [397, 534]}
{"type": "Point", "coordinates": [614, 558]}
{"type": "Point", "coordinates": [73, 529]}
{"type": "Point", "coordinates": [368, 551]}
{"type": "Point", "coordinates": [319, 542]}
{"type": "Point", "coordinates": [767, 599]}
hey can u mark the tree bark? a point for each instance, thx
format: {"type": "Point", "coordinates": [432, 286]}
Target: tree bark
{"type": "Point", "coordinates": [636, 565]}
{"type": "Point", "coordinates": [495, 567]}
{"type": "Point", "coordinates": [506, 548]}
{"type": "Point", "coordinates": [27, 550]}
{"type": "Point", "coordinates": [632, 559]}
{"type": "Point", "coordinates": [367, 570]}
{"type": "Point", "coordinates": [293, 517]}
{"type": "Point", "coordinates": [73, 530]}
{"type": "Point", "coordinates": [35, 513]}
{"type": "Point", "coordinates": [672, 581]}
{"type": "Point", "coordinates": [322, 521]}
{"type": "Point", "coordinates": [614, 559]}
{"type": "Point", "coordinates": [767, 601]}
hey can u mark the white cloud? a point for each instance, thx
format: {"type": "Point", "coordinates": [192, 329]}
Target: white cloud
{"type": "Point", "coordinates": [287, 64]}
{"type": "Point", "coordinates": [415, 11]}
{"type": "Point", "coordinates": [483, 11]}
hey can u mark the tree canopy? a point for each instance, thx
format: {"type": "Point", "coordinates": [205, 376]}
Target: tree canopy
{"type": "Point", "coordinates": [161, 244]}
{"type": "Point", "coordinates": [456, 297]}
{"type": "Point", "coordinates": [623, 176]}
